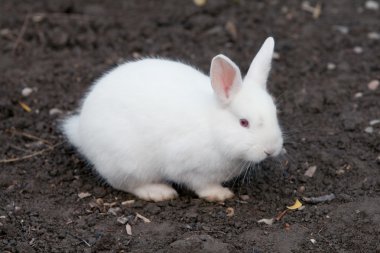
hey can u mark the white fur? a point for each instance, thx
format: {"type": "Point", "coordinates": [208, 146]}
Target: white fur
{"type": "Point", "coordinates": [156, 120]}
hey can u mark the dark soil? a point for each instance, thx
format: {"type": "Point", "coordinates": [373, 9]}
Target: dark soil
{"type": "Point", "coordinates": [58, 48]}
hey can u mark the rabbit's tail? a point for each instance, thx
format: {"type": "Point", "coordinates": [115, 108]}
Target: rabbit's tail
{"type": "Point", "coordinates": [71, 129]}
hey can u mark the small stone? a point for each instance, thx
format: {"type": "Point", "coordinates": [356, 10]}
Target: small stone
{"type": "Point", "coordinates": [331, 66]}
{"type": "Point", "coordinates": [313, 241]}
{"type": "Point", "coordinates": [231, 29]}
{"type": "Point", "coordinates": [374, 122]}
{"type": "Point", "coordinates": [373, 36]}
{"type": "Point", "coordinates": [342, 29]}
{"type": "Point", "coordinates": [358, 95]}
{"type": "Point", "coordinates": [128, 228]}
{"type": "Point", "coordinates": [358, 50]}
{"type": "Point", "coordinates": [122, 220]}
{"type": "Point", "coordinates": [83, 195]}
{"type": "Point", "coordinates": [310, 171]}
{"type": "Point", "coordinates": [368, 130]}
{"type": "Point", "coordinates": [152, 208]}
{"type": "Point", "coordinates": [135, 55]}
{"type": "Point", "coordinates": [114, 210]}
{"type": "Point", "coordinates": [340, 171]}
{"type": "Point", "coordinates": [372, 5]}
{"type": "Point", "coordinates": [200, 2]}
{"type": "Point", "coordinates": [301, 189]}
{"type": "Point", "coordinates": [373, 85]}
{"type": "Point", "coordinates": [26, 91]}
{"type": "Point", "coordinates": [5, 32]}
{"type": "Point", "coordinates": [276, 55]}
{"type": "Point", "coordinates": [128, 202]}
{"type": "Point", "coordinates": [244, 197]}
{"type": "Point", "coordinates": [58, 38]}
{"type": "Point", "coordinates": [55, 111]}
{"type": "Point", "coordinates": [38, 17]}
{"type": "Point", "coordinates": [266, 221]}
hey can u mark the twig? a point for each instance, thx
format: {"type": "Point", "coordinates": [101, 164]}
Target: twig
{"type": "Point", "coordinates": [21, 33]}
{"type": "Point", "coordinates": [280, 215]}
{"type": "Point", "coordinates": [16, 159]}
{"type": "Point", "coordinates": [30, 136]}
{"type": "Point", "coordinates": [315, 200]}
{"type": "Point", "coordinates": [77, 237]}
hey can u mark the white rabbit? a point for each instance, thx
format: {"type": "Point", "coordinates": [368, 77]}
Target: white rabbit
{"type": "Point", "coordinates": [154, 121]}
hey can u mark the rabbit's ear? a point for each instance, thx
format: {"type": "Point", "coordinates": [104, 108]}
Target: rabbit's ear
{"type": "Point", "coordinates": [225, 78]}
{"type": "Point", "coordinates": [259, 70]}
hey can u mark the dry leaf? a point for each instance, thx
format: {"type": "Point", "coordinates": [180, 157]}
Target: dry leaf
{"type": "Point", "coordinates": [230, 211]}
{"type": "Point", "coordinates": [83, 195]}
{"type": "Point", "coordinates": [296, 205]}
{"type": "Point", "coordinates": [25, 107]}
{"type": "Point", "coordinates": [199, 2]}
{"type": "Point", "coordinates": [129, 229]}
{"type": "Point", "coordinates": [266, 221]}
{"type": "Point", "coordinates": [146, 220]}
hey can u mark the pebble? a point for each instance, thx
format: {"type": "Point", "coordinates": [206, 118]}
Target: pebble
{"type": "Point", "coordinates": [374, 122]}
{"type": "Point", "coordinates": [310, 171]}
{"type": "Point", "coordinates": [114, 210]}
{"type": "Point", "coordinates": [276, 55]}
{"type": "Point", "coordinates": [26, 91]}
{"type": "Point", "coordinates": [358, 94]}
{"type": "Point", "coordinates": [5, 32]}
{"type": "Point", "coordinates": [373, 85]}
{"type": "Point", "coordinates": [373, 36]}
{"type": "Point", "coordinates": [331, 66]}
{"type": "Point", "coordinates": [342, 29]}
{"type": "Point", "coordinates": [135, 55]}
{"type": "Point", "coordinates": [368, 130]}
{"type": "Point", "coordinates": [83, 195]}
{"type": "Point", "coordinates": [244, 197]}
{"type": "Point", "coordinates": [358, 50]}
{"type": "Point", "coordinates": [231, 29]}
{"type": "Point", "coordinates": [54, 111]}
{"type": "Point", "coordinates": [372, 5]}
{"type": "Point", "coordinates": [58, 38]}
{"type": "Point", "coordinates": [122, 220]}
{"type": "Point", "coordinates": [301, 189]}
{"type": "Point", "coordinates": [152, 208]}
{"type": "Point", "coordinates": [313, 241]}
{"type": "Point", "coordinates": [37, 18]}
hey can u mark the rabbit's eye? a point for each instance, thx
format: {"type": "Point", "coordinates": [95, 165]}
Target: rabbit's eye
{"type": "Point", "coordinates": [244, 123]}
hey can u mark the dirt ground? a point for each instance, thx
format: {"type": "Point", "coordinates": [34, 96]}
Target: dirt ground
{"type": "Point", "coordinates": [320, 78]}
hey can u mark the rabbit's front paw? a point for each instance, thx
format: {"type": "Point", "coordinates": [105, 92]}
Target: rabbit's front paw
{"type": "Point", "coordinates": [155, 192]}
{"type": "Point", "coordinates": [215, 193]}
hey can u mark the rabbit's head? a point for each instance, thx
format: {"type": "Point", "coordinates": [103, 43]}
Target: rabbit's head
{"type": "Point", "coordinates": [247, 126]}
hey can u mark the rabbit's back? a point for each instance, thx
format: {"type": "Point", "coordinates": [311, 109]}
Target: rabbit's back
{"type": "Point", "coordinates": [147, 110]}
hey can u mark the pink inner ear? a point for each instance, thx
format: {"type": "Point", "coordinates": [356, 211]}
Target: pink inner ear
{"type": "Point", "coordinates": [227, 76]}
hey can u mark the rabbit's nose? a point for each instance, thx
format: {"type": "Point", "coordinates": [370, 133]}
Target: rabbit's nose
{"type": "Point", "coordinates": [269, 152]}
